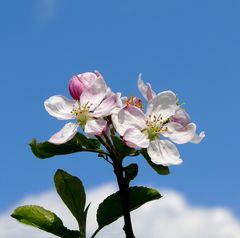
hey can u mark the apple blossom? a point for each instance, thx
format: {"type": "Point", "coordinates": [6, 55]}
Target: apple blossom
{"type": "Point", "coordinates": [163, 117]}
{"type": "Point", "coordinates": [180, 129]}
{"type": "Point", "coordinates": [95, 102]}
{"type": "Point", "coordinates": [143, 131]}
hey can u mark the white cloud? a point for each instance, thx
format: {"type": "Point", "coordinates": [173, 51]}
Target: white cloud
{"type": "Point", "coordinates": [46, 10]}
{"type": "Point", "coordinates": [170, 217]}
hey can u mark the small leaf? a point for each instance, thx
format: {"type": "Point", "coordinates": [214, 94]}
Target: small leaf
{"type": "Point", "coordinates": [121, 147]}
{"type": "Point", "coordinates": [71, 190]}
{"type": "Point", "coordinates": [110, 209]}
{"type": "Point", "coordinates": [131, 171]}
{"type": "Point", "coordinates": [160, 169]}
{"type": "Point", "coordinates": [78, 143]}
{"type": "Point", "coordinates": [83, 224]}
{"type": "Point", "coordinates": [88, 143]}
{"type": "Point", "coordinates": [43, 219]}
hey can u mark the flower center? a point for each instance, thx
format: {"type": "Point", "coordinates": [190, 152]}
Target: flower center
{"type": "Point", "coordinates": [155, 126]}
{"type": "Point", "coordinates": [82, 114]}
{"type": "Point", "coordinates": [135, 101]}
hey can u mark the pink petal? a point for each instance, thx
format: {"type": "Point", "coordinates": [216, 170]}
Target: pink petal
{"type": "Point", "coordinates": [109, 93]}
{"type": "Point", "coordinates": [65, 134]}
{"type": "Point", "coordinates": [128, 117]}
{"type": "Point", "coordinates": [145, 89]}
{"type": "Point", "coordinates": [95, 127]}
{"type": "Point", "coordinates": [106, 107]}
{"type": "Point", "coordinates": [98, 73]}
{"type": "Point", "coordinates": [180, 134]}
{"type": "Point", "coordinates": [94, 95]}
{"type": "Point", "coordinates": [59, 107]}
{"type": "Point", "coordinates": [181, 117]}
{"type": "Point", "coordinates": [164, 105]}
{"type": "Point", "coordinates": [134, 138]}
{"type": "Point", "coordinates": [164, 152]}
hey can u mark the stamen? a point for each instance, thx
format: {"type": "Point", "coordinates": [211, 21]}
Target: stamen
{"type": "Point", "coordinates": [155, 126]}
{"type": "Point", "coordinates": [137, 102]}
{"type": "Point", "coordinates": [82, 113]}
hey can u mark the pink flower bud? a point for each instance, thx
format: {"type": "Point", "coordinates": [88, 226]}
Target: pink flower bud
{"type": "Point", "coordinates": [75, 87]}
{"type": "Point", "coordinates": [79, 83]}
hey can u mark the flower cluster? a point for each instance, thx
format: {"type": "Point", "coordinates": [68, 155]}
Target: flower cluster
{"type": "Point", "coordinates": [99, 111]}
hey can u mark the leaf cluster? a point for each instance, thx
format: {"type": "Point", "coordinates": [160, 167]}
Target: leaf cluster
{"type": "Point", "coordinates": [71, 190]}
{"type": "Point", "coordinates": [72, 193]}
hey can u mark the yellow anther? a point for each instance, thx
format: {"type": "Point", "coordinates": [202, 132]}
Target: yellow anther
{"type": "Point", "coordinates": [82, 114]}
{"type": "Point", "coordinates": [137, 102]}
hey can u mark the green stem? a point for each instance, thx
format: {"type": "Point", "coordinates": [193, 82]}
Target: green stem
{"type": "Point", "coordinates": [108, 146]}
{"type": "Point", "coordinates": [122, 184]}
{"type": "Point", "coordinates": [82, 235]}
{"type": "Point", "coordinates": [125, 199]}
{"type": "Point", "coordinates": [97, 151]}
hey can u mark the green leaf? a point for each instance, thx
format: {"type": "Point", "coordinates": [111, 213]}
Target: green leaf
{"type": "Point", "coordinates": [160, 169]}
{"type": "Point", "coordinates": [43, 219]}
{"type": "Point", "coordinates": [131, 171]}
{"type": "Point", "coordinates": [88, 143]}
{"type": "Point", "coordinates": [110, 209]}
{"type": "Point", "coordinates": [121, 147]}
{"type": "Point", "coordinates": [78, 143]}
{"type": "Point", "coordinates": [71, 190]}
{"type": "Point", "coordinates": [83, 224]}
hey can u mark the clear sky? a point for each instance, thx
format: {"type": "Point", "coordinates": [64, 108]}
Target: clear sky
{"type": "Point", "coordinates": [190, 47]}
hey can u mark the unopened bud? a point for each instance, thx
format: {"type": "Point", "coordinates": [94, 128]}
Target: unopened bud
{"type": "Point", "coordinates": [79, 83]}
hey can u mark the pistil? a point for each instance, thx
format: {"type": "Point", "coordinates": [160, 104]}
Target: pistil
{"type": "Point", "coordinates": [155, 126]}
{"type": "Point", "coordinates": [82, 113]}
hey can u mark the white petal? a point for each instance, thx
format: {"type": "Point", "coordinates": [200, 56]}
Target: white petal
{"type": "Point", "coordinates": [198, 138]}
{"type": "Point", "coordinates": [87, 79]}
{"type": "Point", "coordinates": [106, 107]}
{"type": "Point", "coordinates": [181, 117]}
{"type": "Point", "coordinates": [128, 117]}
{"type": "Point", "coordinates": [119, 104]}
{"type": "Point", "coordinates": [109, 92]}
{"type": "Point", "coordinates": [145, 89]}
{"type": "Point", "coordinates": [95, 127]}
{"type": "Point", "coordinates": [65, 134]}
{"type": "Point", "coordinates": [94, 95]}
{"type": "Point", "coordinates": [59, 107]}
{"type": "Point", "coordinates": [124, 99]}
{"type": "Point", "coordinates": [134, 138]}
{"type": "Point", "coordinates": [180, 134]}
{"type": "Point", "coordinates": [164, 152]}
{"type": "Point", "coordinates": [164, 105]}
{"type": "Point", "coordinates": [120, 100]}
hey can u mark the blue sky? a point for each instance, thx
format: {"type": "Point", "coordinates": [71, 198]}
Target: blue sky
{"type": "Point", "coordinates": [190, 47]}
